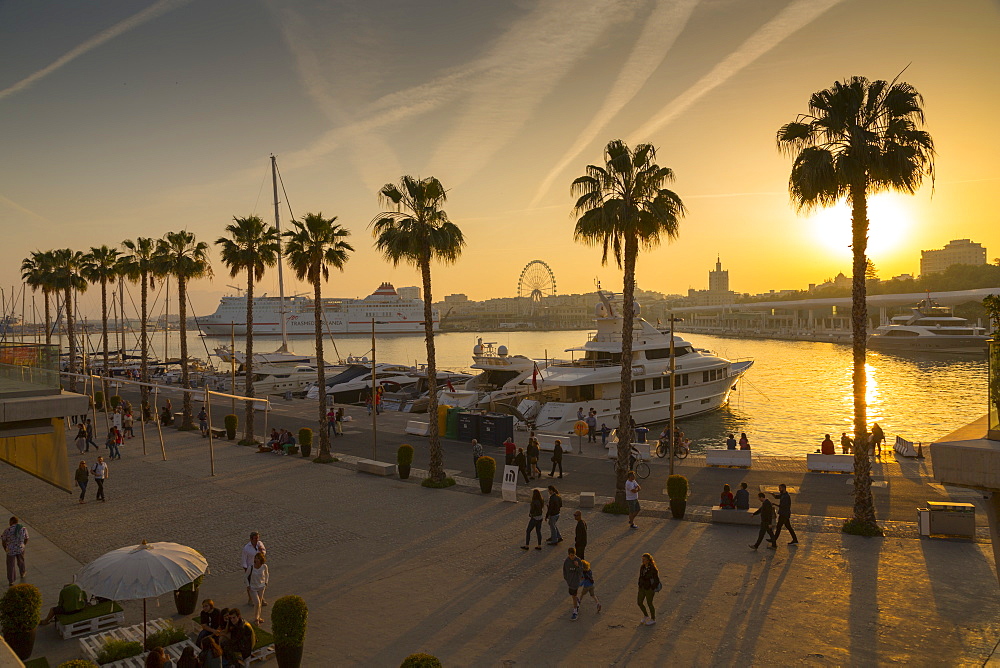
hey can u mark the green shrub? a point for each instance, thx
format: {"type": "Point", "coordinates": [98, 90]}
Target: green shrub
{"type": "Point", "coordinates": [289, 615]}
{"type": "Point", "coordinates": [404, 456]}
{"type": "Point", "coordinates": [99, 400]}
{"type": "Point", "coordinates": [116, 650]}
{"type": "Point", "coordinates": [615, 508]}
{"type": "Point", "coordinates": [115, 401]}
{"type": "Point", "coordinates": [77, 663]}
{"type": "Point", "coordinates": [20, 608]}
{"type": "Point", "coordinates": [306, 437]}
{"type": "Point", "coordinates": [437, 484]}
{"type": "Point", "coordinates": [486, 468]}
{"type": "Point", "coordinates": [677, 487]}
{"type": "Point", "coordinates": [194, 585]}
{"type": "Point", "coordinates": [164, 637]}
{"type": "Point", "coordinates": [856, 528]}
{"type": "Point", "coordinates": [231, 422]}
{"type": "Point", "coordinates": [421, 661]}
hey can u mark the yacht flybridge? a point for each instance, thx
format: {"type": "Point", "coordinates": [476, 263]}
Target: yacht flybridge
{"type": "Point", "coordinates": [703, 381]}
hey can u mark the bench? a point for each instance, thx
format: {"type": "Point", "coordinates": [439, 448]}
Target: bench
{"type": "Point", "coordinates": [376, 468]}
{"type": "Point", "coordinates": [92, 645]}
{"type": "Point", "coordinates": [417, 428]}
{"type": "Point", "coordinates": [587, 499]}
{"type": "Point", "coordinates": [726, 457]}
{"type": "Point", "coordinates": [818, 463]}
{"type": "Point", "coordinates": [218, 433]}
{"type": "Point", "coordinates": [92, 619]}
{"type": "Point", "coordinates": [547, 442]}
{"type": "Point", "coordinates": [643, 448]}
{"type": "Point", "coordinates": [730, 516]}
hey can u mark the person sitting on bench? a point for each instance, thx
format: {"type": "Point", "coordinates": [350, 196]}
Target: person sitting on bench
{"type": "Point", "coordinates": [826, 447]}
{"type": "Point", "coordinates": [726, 501]}
{"type": "Point", "coordinates": [71, 600]}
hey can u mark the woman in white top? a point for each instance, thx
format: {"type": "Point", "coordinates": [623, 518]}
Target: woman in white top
{"type": "Point", "coordinates": [257, 579]}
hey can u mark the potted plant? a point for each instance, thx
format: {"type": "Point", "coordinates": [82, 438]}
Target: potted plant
{"type": "Point", "coordinates": [288, 625]}
{"type": "Point", "coordinates": [305, 440]}
{"type": "Point", "coordinates": [78, 663]}
{"type": "Point", "coordinates": [186, 598]}
{"type": "Point", "coordinates": [677, 490]}
{"type": "Point", "coordinates": [231, 422]}
{"type": "Point", "coordinates": [421, 661]}
{"type": "Point", "coordinates": [404, 459]}
{"type": "Point", "coordinates": [486, 468]}
{"type": "Point", "coordinates": [99, 400]}
{"type": "Point", "coordinates": [20, 612]}
{"type": "Point", "coordinates": [116, 400]}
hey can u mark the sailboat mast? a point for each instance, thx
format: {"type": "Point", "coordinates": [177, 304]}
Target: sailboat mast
{"type": "Point", "coordinates": [281, 280]}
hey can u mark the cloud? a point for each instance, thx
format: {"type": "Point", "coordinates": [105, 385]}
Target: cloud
{"type": "Point", "coordinates": [661, 29]}
{"type": "Point", "coordinates": [795, 16]}
{"type": "Point", "coordinates": [153, 11]}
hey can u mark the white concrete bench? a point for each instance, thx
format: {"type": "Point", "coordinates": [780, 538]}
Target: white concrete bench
{"type": "Point", "coordinates": [726, 457]}
{"type": "Point", "coordinates": [643, 448]}
{"type": "Point", "coordinates": [85, 627]}
{"type": "Point", "coordinates": [417, 428]}
{"type": "Point", "coordinates": [547, 442]}
{"type": "Point", "coordinates": [376, 468]}
{"type": "Point", "coordinates": [818, 463]}
{"type": "Point", "coordinates": [587, 499]}
{"type": "Point", "coordinates": [729, 516]}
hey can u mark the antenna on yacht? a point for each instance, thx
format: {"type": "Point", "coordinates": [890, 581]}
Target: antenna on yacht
{"type": "Point", "coordinates": [281, 282]}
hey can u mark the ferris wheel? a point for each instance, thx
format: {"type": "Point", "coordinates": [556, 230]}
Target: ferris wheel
{"type": "Point", "coordinates": [536, 281]}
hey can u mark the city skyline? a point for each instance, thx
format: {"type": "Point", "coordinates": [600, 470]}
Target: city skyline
{"type": "Point", "coordinates": [128, 120]}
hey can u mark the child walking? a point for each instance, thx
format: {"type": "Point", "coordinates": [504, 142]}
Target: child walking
{"type": "Point", "coordinates": [587, 583]}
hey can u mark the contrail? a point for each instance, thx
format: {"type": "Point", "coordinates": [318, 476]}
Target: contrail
{"type": "Point", "coordinates": [661, 30]}
{"type": "Point", "coordinates": [794, 17]}
{"type": "Point", "coordinates": [17, 207]}
{"type": "Point", "coordinates": [153, 11]}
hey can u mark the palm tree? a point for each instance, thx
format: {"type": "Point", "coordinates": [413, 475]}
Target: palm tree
{"type": "Point", "coordinates": [859, 138]}
{"type": "Point", "coordinates": [66, 276]}
{"type": "Point", "coordinates": [178, 254]}
{"type": "Point", "coordinates": [101, 265]}
{"type": "Point", "coordinates": [251, 245]}
{"type": "Point", "coordinates": [36, 272]}
{"type": "Point", "coordinates": [314, 245]}
{"type": "Point", "coordinates": [416, 232]}
{"type": "Point", "coordinates": [623, 206]}
{"type": "Point", "coordinates": [139, 265]}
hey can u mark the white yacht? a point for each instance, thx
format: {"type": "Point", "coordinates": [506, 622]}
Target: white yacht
{"type": "Point", "coordinates": [929, 327]}
{"type": "Point", "coordinates": [350, 385]}
{"type": "Point", "coordinates": [280, 378]}
{"type": "Point", "coordinates": [503, 379]}
{"type": "Point", "coordinates": [703, 381]}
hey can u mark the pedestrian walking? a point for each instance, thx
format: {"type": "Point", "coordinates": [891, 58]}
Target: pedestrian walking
{"type": "Point", "coordinates": [587, 582]}
{"type": "Point", "coordinates": [253, 547]}
{"type": "Point", "coordinates": [112, 444]}
{"type": "Point", "coordinates": [477, 452]}
{"type": "Point", "coordinates": [81, 439]}
{"type": "Point", "coordinates": [605, 432]}
{"type": "Point", "coordinates": [90, 436]}
{"type": "Point", "coordinates": [127, 423]}
{"type": "Point", "coordinates": [557, 457]}
{"type": "Point", "coordinates": [203, 422]}
{"type": "Point", "coordinates": [520, 461]}
{"type": "Point", "coordinates": [552, 515]}
{"type": "Point", "coordinates": [82, 477]}
{"type": "Point", "coordinates": [534, 519]}
{"type": "Point", "coordinates": [632, 489]}
{"type": "Point", "coordinates": [766, 512]}
{"type": "Point", "coordinates": [846, 443]}
{"type": "Point", "coordinates": [877, 437]}
{"type": "Point", "coordinates": [572, 574]}
{"type": "Point", "coordinates": [581, 535]}
{"type": "Point", "coordinates": [331, 420]}
{"type": "Point", "coordinates": [649, 584]}
{"type": "Point", "coordinates": [100, 472]}
{"type": "Point", "coordinates": [14, 539]}
{"type": "Point", "coordinates": [257, 580]}
{"type": "Point", "coordinates": [784, 515]}
{"type": "Point", "coordinates": [591, 421]}
{"type": "Point", "coordinates": [338, 427]}
{"type": "Point", "coordinates": [509, 450]}
{"type": "Point", "coordinates": [533, 452]}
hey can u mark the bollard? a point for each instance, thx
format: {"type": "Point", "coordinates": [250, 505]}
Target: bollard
{"type": "Point", "coordinates": [920, 450]}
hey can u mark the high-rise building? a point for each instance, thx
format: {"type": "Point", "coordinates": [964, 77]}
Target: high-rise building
{"type": "Point", "coordinates": [957, 251]}
{"type": "Point", "coordinates": [408, 293]}
{"type": "Point", "coordinates": [718, 280]}
{"type": "Point", "coordinates": [718, 292]}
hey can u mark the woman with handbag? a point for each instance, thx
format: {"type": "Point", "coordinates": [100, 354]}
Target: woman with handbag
{"type": "Point", "coordinates": [649, 584]}
{"type": "Point", "coordinates": [534, 520]}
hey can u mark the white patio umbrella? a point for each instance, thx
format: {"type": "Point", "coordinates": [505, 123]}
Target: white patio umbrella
{"type": "Point", "coordinates": [142, 571]}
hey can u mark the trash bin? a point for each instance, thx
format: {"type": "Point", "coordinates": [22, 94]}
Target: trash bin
{"type": "Point", "coordinates": [952, 519]}
{"type": "Point", "coordinates": [495, 428]}
{"type": "Point", "coordinates": [451, 431]}
{"type": "Point", "coordinates": [640, 434]}
{"type": "Point", "coordinates": [468, 426]}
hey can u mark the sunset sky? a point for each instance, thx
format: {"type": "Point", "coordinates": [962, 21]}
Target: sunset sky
{"type": "Point", "coordinates": [131, 118]}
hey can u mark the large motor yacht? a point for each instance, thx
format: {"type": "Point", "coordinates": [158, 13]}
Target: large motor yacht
{"type": "Point", "coordinates": [702, 380]}
{"type": "Point", "coordinates": [929, 327]}
{"type": "Point", "coordinates": [502, 381]}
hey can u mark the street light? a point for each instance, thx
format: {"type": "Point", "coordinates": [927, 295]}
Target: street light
{"type": "Point", "coordinates": [672, 369]}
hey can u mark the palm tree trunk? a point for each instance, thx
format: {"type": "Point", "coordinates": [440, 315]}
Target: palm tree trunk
{"type": "Point", "coordinates": [48, 318]}
{"type": "Point", "coordinates": [436, 466]}
{"type": "Point", "coordinates": [68, 305]}
{"type": "Point", "coordinates": [625, 400]}
{"type": "Point", "coordinates": [187, 419]}
{"type": "Point", "coordinates": [324, 436]}
{"type": "Point", "coordinates": [144, 348]}
{"type": "Point", "coordinates": [864, 504]}
{"type": "Point", "coordinates": [248, 418]}
{"type": "Point", "coordinates": [104, 324]}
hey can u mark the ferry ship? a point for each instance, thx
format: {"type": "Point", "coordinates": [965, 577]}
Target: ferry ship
{"type": "Point", "coordinates": [392, 314]}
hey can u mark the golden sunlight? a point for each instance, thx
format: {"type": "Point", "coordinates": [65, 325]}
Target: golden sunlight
{"type": "Point", "coordinates": [889, 222]}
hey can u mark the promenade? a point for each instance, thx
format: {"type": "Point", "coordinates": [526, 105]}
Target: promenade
{"type": "Point", "coordinates": [389, 568]}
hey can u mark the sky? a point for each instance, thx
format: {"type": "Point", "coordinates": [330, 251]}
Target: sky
{"type": "Point", "coordinates": [133, 118]}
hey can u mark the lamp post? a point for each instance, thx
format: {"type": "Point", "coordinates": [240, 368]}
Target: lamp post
{"type": "Point", "coordinates": [672, 385]}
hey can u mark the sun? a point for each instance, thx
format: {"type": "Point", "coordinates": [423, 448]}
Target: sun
{"type": "Point", "coordinates": [889, 222]}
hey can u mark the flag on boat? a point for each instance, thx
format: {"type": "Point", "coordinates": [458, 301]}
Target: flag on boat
{"type": "Point", "coordinates": [451, 388]}
{"type": "Point", "coordinates": [534, 377]}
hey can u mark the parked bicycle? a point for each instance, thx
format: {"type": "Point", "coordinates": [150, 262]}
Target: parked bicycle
{"type": "Point", "coordinates": [640, 468]}
{"type": "Point", "coordinates": [681, 450]}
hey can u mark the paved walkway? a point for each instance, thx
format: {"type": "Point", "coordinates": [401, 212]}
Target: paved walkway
{"type": "Point", "coordinates": [388, 568]}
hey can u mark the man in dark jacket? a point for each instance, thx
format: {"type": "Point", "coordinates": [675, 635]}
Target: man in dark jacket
{"type": "Point", "coordinates": [766, 512]}
{"type": "Point", "coordinates": [552, 515]}
{"type": "Point", "coordinates": [571, 574]}
{"type": "Point", "coordinates": [742, 497]}
{"type": "Point", "coordinates": [784, 515]}
{"type": "Point", "coordinates": [581, 535]}
{"type": "Point", "coordinates": [557, 455]}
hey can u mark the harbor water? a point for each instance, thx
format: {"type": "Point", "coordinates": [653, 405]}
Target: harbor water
{"type": "Point", "coordinates": [795, 393]}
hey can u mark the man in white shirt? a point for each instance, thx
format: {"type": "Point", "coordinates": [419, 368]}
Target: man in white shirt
{"type": "Point", "coordinates": [101, 474]}
{"type": "Point", "coordinates": [250, 550]}
{"type": "Point", "coordinates": [632, 490]}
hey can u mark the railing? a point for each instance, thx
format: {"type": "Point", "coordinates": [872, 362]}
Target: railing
{"type": "Point", "coordinates": [30, 363]}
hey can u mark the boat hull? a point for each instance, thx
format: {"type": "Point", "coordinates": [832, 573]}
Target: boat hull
{"type": "Point", "coordinates": [970, 345]}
